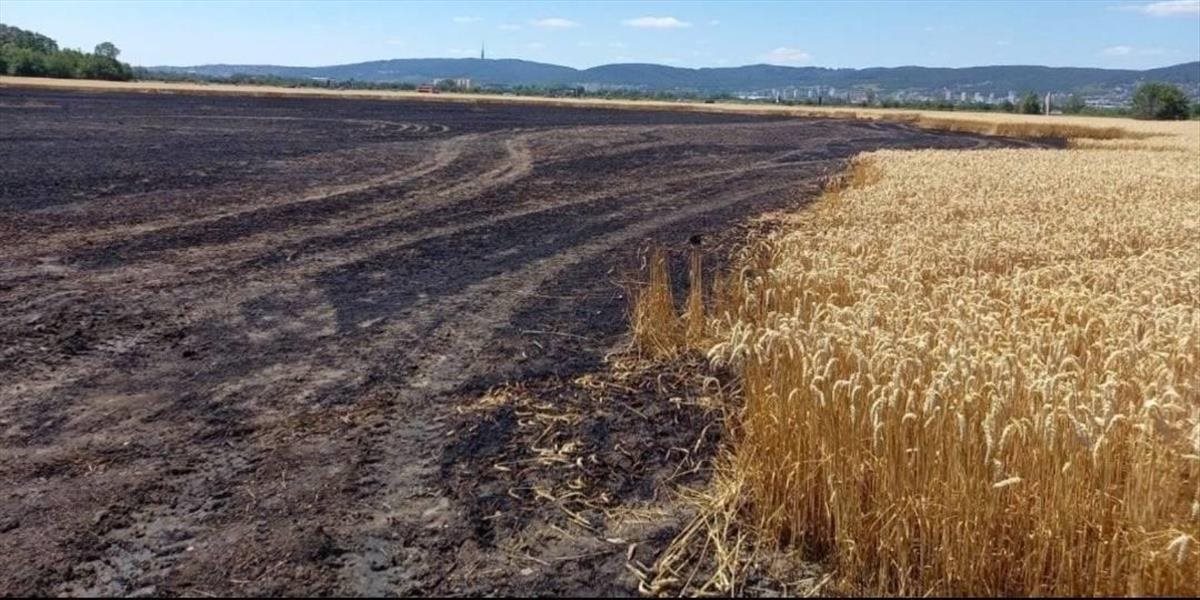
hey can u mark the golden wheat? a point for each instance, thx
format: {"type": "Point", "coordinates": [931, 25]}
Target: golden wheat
{"type": "Point", "coordinates": [978, 372]}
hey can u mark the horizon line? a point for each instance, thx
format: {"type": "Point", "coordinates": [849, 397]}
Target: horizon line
{"type": "Point", "coordinates": [760, 64]}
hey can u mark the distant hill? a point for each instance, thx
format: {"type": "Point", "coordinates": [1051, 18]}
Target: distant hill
{"type": "Point", "coordinates": [992, 79]}
{"type": "Point", "coordinates": [406, 70]}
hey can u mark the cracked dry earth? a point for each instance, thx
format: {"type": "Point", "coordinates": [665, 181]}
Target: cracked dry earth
{"type": "Point", "coordinates": [237, 334]}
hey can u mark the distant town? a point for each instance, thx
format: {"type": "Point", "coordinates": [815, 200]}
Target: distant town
{"type": "Point", "coordinates": [1116, 97]}
{"type": "Point", "coordinates": [974, 88]}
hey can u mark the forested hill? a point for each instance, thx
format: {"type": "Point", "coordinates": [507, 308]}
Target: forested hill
{"type": "Point", "coordinates": [997, 79]}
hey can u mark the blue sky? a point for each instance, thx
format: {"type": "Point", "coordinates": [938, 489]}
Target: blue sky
{"type": "Point", "coordinates": [1117, 34]}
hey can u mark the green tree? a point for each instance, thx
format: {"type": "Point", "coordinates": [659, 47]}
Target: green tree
{"type": "Point", "coordinates": [107, 50]}
{"type": "Point", "coordinates": [1031, 104]}
{"type": "Point", "coordinates": [1160, 101]}
{"type": "Point", "coordinates": [31, 54]}
{"type": "Point", "coordinates": [61, 64]}
{"type": "Point", "coordinates": [1075, 105]}
{"type": "Point", "coordinates": [27, 39]}
{"type": "Point", "coordinates": [25, 62]}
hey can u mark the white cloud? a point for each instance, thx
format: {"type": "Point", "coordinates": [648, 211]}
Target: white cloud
{"type": "Point", "coordinates": [535, 45]}
{"type": "Point", "coordinates": [656, 23]}
{"type": "Point", "coordinates": [1003, 42]}
{"type": "Point", "coordinates": [460, 52]}
{"type": "Point", "coordinates": [617, 45]}
{"type": "Point", "coordinates": [714, 23]}
{"type": "Point", "coordinates": [395, 42]}
{"type": "Point", "coordinates": [467, 19]}
{"type": "Point", "coordinates": [1118, 51]}
{"type": "Point", "coordinates": [509, 27]}
{"type": "Point", "coordinates": [555, 23]}
{"type": "Point", "coordinates": [783, 55]}
{"type": "Point", "coordinates": [1172, 8]}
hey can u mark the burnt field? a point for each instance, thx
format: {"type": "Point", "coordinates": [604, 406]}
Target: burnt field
{"type": "Point", "coordinates": [237, 334]}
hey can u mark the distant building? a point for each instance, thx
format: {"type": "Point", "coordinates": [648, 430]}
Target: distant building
{"type": "Point", "coordinates": [463, 83]}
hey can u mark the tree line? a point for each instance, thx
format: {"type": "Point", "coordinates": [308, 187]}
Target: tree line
{"type": "Point", "coordinates": [1161, 101]}
{"type": "Point", "coordinates": [30, 54]}
{"type": "Point", "coordinates": [1152, 100]}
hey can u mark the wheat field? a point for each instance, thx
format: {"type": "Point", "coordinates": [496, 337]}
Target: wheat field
{"type": "Point", "coordinates": [969, 372]}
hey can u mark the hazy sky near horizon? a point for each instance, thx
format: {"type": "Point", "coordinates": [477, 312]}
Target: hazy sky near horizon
{"type": "Point", "coordinates": [1095, 33]}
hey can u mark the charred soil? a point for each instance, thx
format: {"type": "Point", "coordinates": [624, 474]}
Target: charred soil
{"type": "Point", "coordinates": [290, 346]}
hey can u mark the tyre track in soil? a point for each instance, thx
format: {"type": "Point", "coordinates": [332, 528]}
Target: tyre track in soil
{"type": "Point", "coordinates": [253, 397]}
